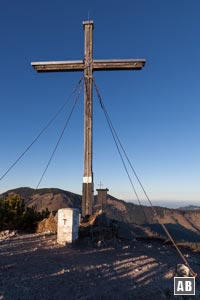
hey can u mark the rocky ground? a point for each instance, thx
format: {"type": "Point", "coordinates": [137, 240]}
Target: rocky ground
{"type": "Point", "coordinates": [33, 266]}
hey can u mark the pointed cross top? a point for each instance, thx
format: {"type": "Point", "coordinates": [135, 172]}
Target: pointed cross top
{"type": "Point", "coordinates": [100, 185]}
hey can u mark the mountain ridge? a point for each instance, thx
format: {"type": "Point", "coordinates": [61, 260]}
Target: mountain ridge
{"type": "Point", "coordinates": [182, 224]}
{"type": "Point", "coordinates": [189, 207]}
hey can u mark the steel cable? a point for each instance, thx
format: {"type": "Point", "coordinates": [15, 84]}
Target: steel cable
{"type": "Point", "coordinates": [113, 132]}
{"type": "Point", "coordinates": [118, 143]}
{"type": "Point", "coordinates": [60, 137]}
{"type": "Point", "coordinates": [43, 130]}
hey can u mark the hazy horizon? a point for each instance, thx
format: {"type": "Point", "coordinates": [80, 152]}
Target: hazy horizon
{"type": "Point", "coordinates": [163, 203]}
{"type": "Point", "coordinates": [169, 204]}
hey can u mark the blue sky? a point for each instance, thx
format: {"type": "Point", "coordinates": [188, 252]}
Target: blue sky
{"type": "Point", "coordinates": [155, 111]}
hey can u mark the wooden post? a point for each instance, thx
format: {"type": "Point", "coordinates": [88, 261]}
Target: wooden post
{"type": "Point", "coordinates": [88, 189]}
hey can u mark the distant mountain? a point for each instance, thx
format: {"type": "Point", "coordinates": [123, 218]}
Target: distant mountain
{"type": "Point", "coordinates": [189, 207]}
{"type": "Point", "coordinates": [182, 224]}
{"type": "Point", "coordinates": [51, 198]}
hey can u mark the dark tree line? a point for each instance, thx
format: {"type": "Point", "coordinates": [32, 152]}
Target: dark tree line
{"type": "Point", "coordinates": [15, 215]}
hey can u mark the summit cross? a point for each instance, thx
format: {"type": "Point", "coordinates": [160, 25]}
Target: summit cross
{"type": "Point", "coordinates": [88, 65]}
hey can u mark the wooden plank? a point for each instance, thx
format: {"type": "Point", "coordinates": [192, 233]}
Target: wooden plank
{"type": "Point", "coordinates": [87, 195]}
{"type": "Point", "coordinates": [118, 64]}
{"type": "Point", "coordinates": [58, 66]}
{"type": "Point", "coordinates": [97, 65]}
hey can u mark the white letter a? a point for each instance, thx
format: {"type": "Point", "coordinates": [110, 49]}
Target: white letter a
{"type": "Point", "coordinates": [180, 286]}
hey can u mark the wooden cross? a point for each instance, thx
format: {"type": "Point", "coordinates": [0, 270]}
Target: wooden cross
{"type": "Point", "coordinates": [88, 65]}
{"type": "Point", "coordinates": [100, 185]}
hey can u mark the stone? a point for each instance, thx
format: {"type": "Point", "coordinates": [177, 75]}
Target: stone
{"type": "Point", "coordinates": [68, 225]}
{"type": "Point", "coordinates": [182, 270]}
{"type": "Point", "coordinates": [6, 234]}
{"type": "Point", "coordinates": [47, 225]}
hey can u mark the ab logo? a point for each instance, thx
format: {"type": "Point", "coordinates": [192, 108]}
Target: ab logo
{"type": "Point", "coordinates": [184, 285]}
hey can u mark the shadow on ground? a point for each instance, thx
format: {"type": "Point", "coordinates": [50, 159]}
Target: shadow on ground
{"type": "Point", "coordinates": [34, 267]}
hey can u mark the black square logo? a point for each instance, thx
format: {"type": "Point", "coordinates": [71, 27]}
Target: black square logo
{"type": "Point", "coordinates": [184, 285]}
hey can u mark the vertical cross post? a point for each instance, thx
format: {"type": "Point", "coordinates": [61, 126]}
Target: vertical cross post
{"type": "Point", "coordinates": [87, 189]}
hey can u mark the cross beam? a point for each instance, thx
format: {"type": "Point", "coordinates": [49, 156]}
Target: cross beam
{"type": "Point", "coordinates": [97, 65]}
{"type": "Point", "coordinates": [88, 65]}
